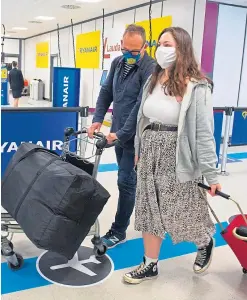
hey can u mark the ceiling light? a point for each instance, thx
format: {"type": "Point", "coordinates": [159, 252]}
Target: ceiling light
{"type": "Point", "coordinates": [35, 22]}
{"type": "Point", "coordinates": [89, 1]}
{"type": "Point", "coordinates": [44, 18]}
{"type": "Point", "coordinates": [19, 28]}
{"type": "Point", "coordinates": [70, 6]}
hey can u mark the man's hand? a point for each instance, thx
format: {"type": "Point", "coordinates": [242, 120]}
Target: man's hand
{"type": "Point", "coordinates": [95, 127]}
{"type": "Point", "coordinates": [214, 188]}
{"type": "Point", "coordinates": [111, 137]}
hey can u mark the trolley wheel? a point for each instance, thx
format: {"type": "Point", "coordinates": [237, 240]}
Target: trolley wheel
{"type": "Point", "coordinates": [244, 271]}
{"type": "Point", "coordinates": [100, 250]}
{"type": "Point", "coordinates": [7, 244]}
{"type": "Point", "coordinates": [20, 263]}
{"type": "Point", "coordinates": [11, 245]}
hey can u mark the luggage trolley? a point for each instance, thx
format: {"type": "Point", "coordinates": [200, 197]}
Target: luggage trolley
{"type": "Point", "coordinates": [90, 165]}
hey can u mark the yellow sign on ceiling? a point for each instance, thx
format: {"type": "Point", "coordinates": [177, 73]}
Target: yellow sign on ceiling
{"type": "Point", "coordinates": [88, 50]}
{"type": "Point", "coordinates": [42, 55]}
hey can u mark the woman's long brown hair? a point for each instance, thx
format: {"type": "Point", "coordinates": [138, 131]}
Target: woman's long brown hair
{"type": "Point", "coordinates": [184, 67]}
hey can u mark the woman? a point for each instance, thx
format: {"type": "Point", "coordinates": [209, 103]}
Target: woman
{"type": "Point", "coordinates": [16, 82]}
{"type": "Point", "coordinates": [175, 146]}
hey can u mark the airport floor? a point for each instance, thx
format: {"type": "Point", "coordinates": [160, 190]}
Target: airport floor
{"type": "Point", "coordinates": [27, 102]}
{"type": "Point", "coordinates": [224, 279]}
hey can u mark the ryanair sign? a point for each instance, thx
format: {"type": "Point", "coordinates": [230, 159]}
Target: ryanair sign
{"type": "Point", "coordinates": [88, 50]}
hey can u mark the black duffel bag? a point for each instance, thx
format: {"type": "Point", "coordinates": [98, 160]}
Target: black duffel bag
{"type": "Point", "coordinates": [54, 202]}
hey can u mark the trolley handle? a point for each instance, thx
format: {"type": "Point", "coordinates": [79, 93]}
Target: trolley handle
{"type": "Point", "coordinates": [223, 195]}
{"type": "Point", "coordinates": [69, 131]}
{"type": "Point", "coordinates": [114, 143]}
{"type": "Point", "coordinates": [100, 144]}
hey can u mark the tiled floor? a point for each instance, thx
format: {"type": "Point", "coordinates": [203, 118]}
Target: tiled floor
{"type": "Point", "coordinates": [27, 102]}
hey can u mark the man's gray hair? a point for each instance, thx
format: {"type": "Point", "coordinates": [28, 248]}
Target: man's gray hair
{"type": "Point", "coordinates": [136, 29]}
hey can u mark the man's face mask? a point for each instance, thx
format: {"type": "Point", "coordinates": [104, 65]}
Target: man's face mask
{"type": "Point", "coordinates": [132, 57]}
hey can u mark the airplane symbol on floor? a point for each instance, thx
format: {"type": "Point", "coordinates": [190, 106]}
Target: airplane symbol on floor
{"type": "Point", "coordinates": [76, 264]}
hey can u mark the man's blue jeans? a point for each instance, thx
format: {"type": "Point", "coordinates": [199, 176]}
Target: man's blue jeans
{"type": "Point", "coordinates": [127, 189]}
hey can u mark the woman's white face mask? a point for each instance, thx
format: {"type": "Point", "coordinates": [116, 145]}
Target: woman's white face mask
{"type": "Point", "coordinates": [165, 56]}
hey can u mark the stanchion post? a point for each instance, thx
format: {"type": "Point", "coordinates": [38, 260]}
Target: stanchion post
{"type": "Point", "coordinates": [82, 141]}
{"type": "Point", "coordinates": [228, 113]}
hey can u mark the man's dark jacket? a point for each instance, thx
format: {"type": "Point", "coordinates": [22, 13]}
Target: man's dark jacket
{"type": "Point", "coordinates": [16, 80]}
{"type": "Point", "coordinates": [126, 95]}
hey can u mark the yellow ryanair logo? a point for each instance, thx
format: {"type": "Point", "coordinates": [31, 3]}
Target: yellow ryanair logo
{"type": "Point", "coordinates": [244, 114]}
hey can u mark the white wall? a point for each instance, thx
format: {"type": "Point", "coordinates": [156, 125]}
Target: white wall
{"type": "Point", "coordinates": [243, 86]}
{"type": "Point", "coordinates": [11, 46]}
{"type": "Point", "coordinates": [182, 14]}
{"type": "Point", "coordinates": [29, 68]}
{"type": "Point", "coordinates": [229, 57]}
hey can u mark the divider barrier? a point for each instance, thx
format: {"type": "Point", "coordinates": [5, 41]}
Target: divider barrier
{"type": "Point", "coordinates": [239, 131]}
{"type": "Point", "coordinates": [42, 126]}
{"type": "Point", "coordinates": [218, 122]}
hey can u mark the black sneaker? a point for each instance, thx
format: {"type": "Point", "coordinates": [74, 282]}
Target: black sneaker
{"type": "Point", "coordinates": [142, 273]}
{"type": "Point", "coordinates": [204, 258]}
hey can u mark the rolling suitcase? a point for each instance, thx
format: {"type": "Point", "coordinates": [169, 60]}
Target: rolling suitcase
{"type": "Point", "coordinates": [235, 233]}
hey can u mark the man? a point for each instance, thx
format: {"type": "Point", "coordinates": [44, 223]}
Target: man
{"type": "Point", "coordinates": [123, 87]}
{"type": "Point", "coordinates": [16, 82]}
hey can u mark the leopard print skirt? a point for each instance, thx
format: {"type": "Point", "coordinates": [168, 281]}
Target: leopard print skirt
{"type": "Point", "coordinates": [162, 204]}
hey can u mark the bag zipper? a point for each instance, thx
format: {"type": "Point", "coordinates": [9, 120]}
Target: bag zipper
{"type": "Point", "coordinates": [31, 184]}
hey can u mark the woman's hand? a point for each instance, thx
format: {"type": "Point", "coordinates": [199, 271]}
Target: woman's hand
{"type": "Point", "coordinates": [214, 188]}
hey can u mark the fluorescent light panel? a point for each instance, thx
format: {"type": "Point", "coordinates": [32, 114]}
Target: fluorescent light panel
{"type": "Point", "coordinates": [19, 28]}
{"type": "Point", "coordinates": [44, 18]}
{"type": "Point", "coordinates": [89, 1]}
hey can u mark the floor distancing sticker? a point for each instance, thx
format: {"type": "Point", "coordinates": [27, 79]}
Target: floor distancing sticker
{"type": "Point", "coordinates": [83, 270]}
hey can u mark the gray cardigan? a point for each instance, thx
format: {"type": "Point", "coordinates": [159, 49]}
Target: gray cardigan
{"type": "Point", "coordinates": [195, 153]}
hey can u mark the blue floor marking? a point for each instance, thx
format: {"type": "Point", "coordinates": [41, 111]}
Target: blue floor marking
{"type": "Point", "coordinates": [24, 279]}
{"type": "Point", "coordinates": [124, 256]}
{"type": "Point", "coordinates": [230, 160]}
{"type": "Point", "coordinates": [108, 167]}
{"type": "Point", "coordinates": [237, 156]}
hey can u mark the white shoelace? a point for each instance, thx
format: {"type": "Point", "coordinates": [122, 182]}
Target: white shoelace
{"type": "Point", "coordinates": [201, 256]}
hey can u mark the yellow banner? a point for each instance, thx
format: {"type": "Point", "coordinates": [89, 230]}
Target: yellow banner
{"type": "Point", "coordinates": [158, 25]}
{"type": "Point", "coordinates": [42, 55]}
{"type": "Point", "coordinates": [4, 73]}
{"type": "Point", "coordinates": [88, 50]}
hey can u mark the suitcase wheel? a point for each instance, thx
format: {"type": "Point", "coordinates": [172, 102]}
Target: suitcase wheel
{"type": "Point", "coordinates": [244, 271]}
{"type": "Point", "coordinates": [100, 250]}
{"type": "Point", "coordinates": [20, 263]}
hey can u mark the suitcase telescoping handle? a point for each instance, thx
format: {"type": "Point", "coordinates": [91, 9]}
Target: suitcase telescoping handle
{"type": "Point", "coordinates": [218, 193]}
{"type": "Point", "coordinates": [223, 195]}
